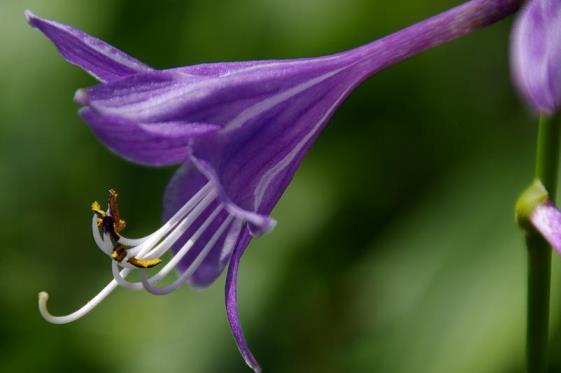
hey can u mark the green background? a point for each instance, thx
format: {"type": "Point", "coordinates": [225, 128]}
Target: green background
{"type": "Point", "coordinates": [395, 249]}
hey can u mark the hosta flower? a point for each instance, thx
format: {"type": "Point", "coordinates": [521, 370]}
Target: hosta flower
{"type": "Point", "coordinates": [239, 131]}
{"type": "Point", "coordinates": [536, 54]}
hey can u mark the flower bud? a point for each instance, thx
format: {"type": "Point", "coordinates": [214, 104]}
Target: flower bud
{"type": "Point", "coordinates": [536, 55]}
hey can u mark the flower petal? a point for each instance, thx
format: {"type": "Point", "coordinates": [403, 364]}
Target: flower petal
{"type": "Point", "coordinates": [258, 223]}
{"type": "Point", "coordinates": [226, 68]}
{"type": "Point", "coordinates": [536, 54]}
{"type": "Point", "coordinates": [153, 144]}
{"type": "Point", "coordinates": [98, 58]}
{"type": "Point", "coordinates": [231, 291]}
{"type": "Point", "coordinates": [258, 152]}
{"type": "Point", "coordinates": [177, 94]}
{"type": "Point", "coordinates": [546, 218]}
{"type": "Point", "coordinates": [136, 97]}
{"type": "Point", "coordinates": [187, 181]}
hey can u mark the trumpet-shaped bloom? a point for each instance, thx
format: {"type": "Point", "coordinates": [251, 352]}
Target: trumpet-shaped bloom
{"type": "Point", "coordinates": [536, 55]}
{"type": "Point", "coordinates": [239, 131]}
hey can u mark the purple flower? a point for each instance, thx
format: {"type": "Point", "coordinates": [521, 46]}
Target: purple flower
{"type": "Point", "coordinates": [536, 55]}
{"type": "Point", "coordinates": [239, 131]}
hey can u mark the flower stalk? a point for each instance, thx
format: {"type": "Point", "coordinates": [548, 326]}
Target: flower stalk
{"type": "Point", "coordinates": [539, 251]}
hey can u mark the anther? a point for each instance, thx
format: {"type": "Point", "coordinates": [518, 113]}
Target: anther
{"type": "Point", "coordinates": [144, 263]}
{"type": "Point", "coordinates": [108, 226]}
{"type": "Point", "coordinates": [110, 223]}
{"type": "Point", "coordinates": [119, 253]}
{"type": "Point", "coordinates": [96, 209]}
{"type": "Point", "coordinates": [119, 224]}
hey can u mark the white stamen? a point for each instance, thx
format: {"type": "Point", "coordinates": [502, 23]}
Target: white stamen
{"type": "Point", "coordinates": [195, 210]}
{"type": "Point", "coordinates": [180, 214]}
{"type": "Point", "coordinates": [118, 278]}
{"type": "Point", "coordinates": [99, 241]}
{"type": "Point", "coordinates": [84, 310]}
{"type": "Point", "coordinates": [179, 231]}
{"type": "Point", "coordinates": [192, 268]}
{"type": "Point", "coordinates": [188, 245]}
{"type": "Point", "coordinates": [173, 262]}
{"type": "Point", "coordinates": [231, 239]}
{"type": "Point", "coordinates": [131, 242]}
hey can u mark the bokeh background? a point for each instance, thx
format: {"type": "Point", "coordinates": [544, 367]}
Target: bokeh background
{"type": "Point", "coordinates": [395, 250]}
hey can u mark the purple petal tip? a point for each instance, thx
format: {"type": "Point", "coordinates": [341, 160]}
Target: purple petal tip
{"type": "Point", "coordinates": [96, 57]}
{"type": "Point", "coordinates": [29, 17]}
{"type": "Point", "coordinates": [81, 97]}
{"type": "Point", "coordinates": [268, 225]}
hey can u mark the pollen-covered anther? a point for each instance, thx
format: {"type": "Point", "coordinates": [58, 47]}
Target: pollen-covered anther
{"type": "Point", "coordinates": [96, 209]}
{"type": "Point", "coordinates": [119, 253]}
{"type": "Point", "coordinates": [144, 263]}
{"type": "Point", "coordinates": [118, 224]}
{"type": "Point", "coordinates": [110, 220]}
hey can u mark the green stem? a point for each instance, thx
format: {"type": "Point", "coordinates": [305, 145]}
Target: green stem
{"type": "Point", "coordinates": [539, 252]}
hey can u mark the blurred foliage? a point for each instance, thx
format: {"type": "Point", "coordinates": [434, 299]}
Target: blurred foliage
{"type": "Point", "coordinates": [396, 249]}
